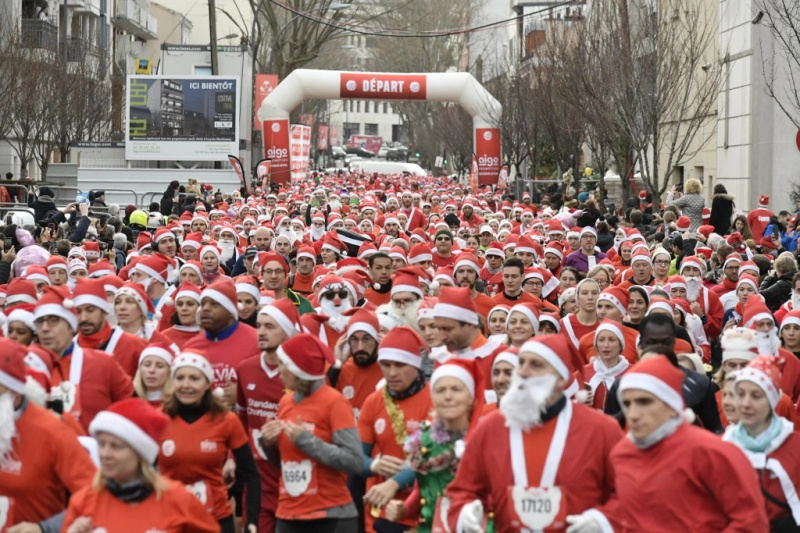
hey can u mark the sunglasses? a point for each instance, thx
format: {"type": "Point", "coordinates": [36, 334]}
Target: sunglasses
{"type": "Point", "coordinates": [341, 293]}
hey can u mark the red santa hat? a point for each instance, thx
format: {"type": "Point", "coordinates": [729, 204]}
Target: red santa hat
{"type": "Point", "coordinates": [137, 292]}
{"type": "Point", "coordinates": [402, 345]}
{"type": "Point", "coordinates": [643, 256]}
{"type": "Point", "coordinates": [198, 361]}
{"type": "Point", "coordinates": [694, 261]}
{"type": "Point", "coordinates": [551, 349]}
{"type": "Point", "coordinates": [747, 279]}
{"type": "Point", "coordinates": [157, 266]}
{"type": "Point", "coordinates": [792, 317]}
{"type": "Point", "coordinates": [101, 268]}
{"type": "Point", "coordinates": [163, 233]}
{"type": "Point", "coordinates": [765, 372]}
{"type": "Point", "coordinates": [55, 301]}
{"type": "Point", "coordinates": [193, 265]}
{"type": "Point", "coordinates": [406, 280]}
{"type": "Point", "coordinates": [547, 317]}
{"type": "Point", "coordinates": [467, 260]}
{"type": "Point", "coordinates": [307, 252]}
{"type": "Point", "coordinates": [619, 298]}
{"type": "Point", "coordinates": [706, 215]}
{"type": "Point", "coordinates": [12, 365]}
{"type": "Point", "coordinates": [733, 258]}
{"type": "Point", "coordinates": [419, 253]}
{"type": "Point", "coordinates": [457, 303]}
{"type": "Point", "coordinates": [209, 248]}
{"type": "Point", "coordinates": [495, 249]}
{"type": "Point", "coordinates": [754, 310]}
{"type": "Point", "coordinates": [135, 422]}
{"type": "Point", "coordinates": [248, 285]}
{"type": "Point", "coordinates": [525, 245]}
{"type": "Point", "coordinates": [676, 282]}
{"type": "Point", "coordinates": [161, 350]}
{"type": "Point", "coordinates": [683, 224]}
{"type": "Point", "coordinates": [111, 284]}
{"type": "Point", "coordinates": [555, 248]}
{"type": "Point", "coordinates": [285, 314]}
{"type": "Point", "coordinates": [91, 292]}
{"type": "Point", "coordinates": [658, 376]}
{"type": "Point", "coordinates": [366, 250]}
{"type": "Point", "coordinates": [363, 320]}
{"type": "Point", "coordinates": [56, 262]}
{"type": "Point", "coordinates": [305, 356]}
{"type": "Point", "coordinates": [612, 327]}
{"type": "Point", "coordinates": [91, 249]}
{"type": "Point", "coordinates": [763, 201]}
{"type": "Point", "coordinates": [188, 289]}
{"type": "Point", "coordinates": [749, 266]}
{"type": "Point", "coordinates": [398, 253]}
{"type": "Point", "coordinates": [74, 265]}
{"type": "Point", "coordinates": [192, 240]}
{"type": "Point", "coordinates": [143, 241]}
{"type": "Point", "coordinates": [223, 292]}
{"type": "Point", "coordinates": [21, 291]}
{"type": "Point", "coordinates": [529, 310]}
{"type": "Point", "coordinates": [643, 194]}
{"type": "Point", "coordinates": [331, 241]}
{"type": "Point", "coordinates": [470, 373]}
{"type": "Point", "coordinates": [739, 344]}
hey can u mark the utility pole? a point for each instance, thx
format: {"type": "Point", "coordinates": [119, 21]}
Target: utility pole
{"type": "Point", "coordinates": [212, 21]}
{"type": "Point", "coordinates": [64, 22]}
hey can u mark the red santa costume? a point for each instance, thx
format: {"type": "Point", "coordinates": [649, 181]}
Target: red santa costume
{"type": "Point", "coordinates": [180, 334]}
{"type": "Point", "coordinates": [85, 380]}
{"type": "Point", "coordinates": [560, 456]}
{"type": "Point", "coordinates": [721, 289]}
{"type": "Point", "coordinates": [333, 295]}
{"type": "Point", "coordinates": [776, 461]}
{"type": "Point", "coordinates": [161, 269]}
{"type": "Point", "coordinates": [713, 312]}
{"type": "Point", "coordinates": [597, 374]}
{"type": "Point", "coordinates": [710, 485]}
{"type": "Point", "coordinates": [416, 218]}
{"type": "Point", "coordinates": [124, 347]}
{"type": "Point", "coordinates": [758, 219]}
{"type": "Point", "coordinates": [228, 348]}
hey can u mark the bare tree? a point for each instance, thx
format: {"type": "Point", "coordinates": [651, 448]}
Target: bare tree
{"type": "Point", "coordinates": [782, 67]}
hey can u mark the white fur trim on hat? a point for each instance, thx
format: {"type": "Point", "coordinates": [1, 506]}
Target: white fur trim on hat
{"type": "Point", "coordinates": [222, 300]}
{"type": "Point", "coordinates": [506, 357]}
{"type": "Point", "coordinates": [150, 272]}
{"type": "Point", "coordinates": [288, 327]}
{"type": "Point", "coordinates": [91, 299]}
{"type": "Point", "coordinates": [547, 317]}
{"type": "Point", "coordinates": [467, 263]}
{"type": "Point", "coordinates": [548, 355]}
{"type": "Point", "coordinates": [759, 316]}
{"type": "Point", "coordinates": [653, 385]}
{"type": "Point", "coordinates": [454, 371]}
{"type": "Point", "coordinates": [364, 327]}
{"type": "Point", "coordinates": [664, 306]}
{"type": "Point", "coordinates": [528, 314]}
{"type": "Point", "coordinates": [406, 288]}
{"type": "Point", "coordinates": [56, 310]}
{"type": "Point", "coordinates": [127, 291]}
{"type": "Point", "coordinates": [250, 289]}
{"type": "Point", "coordinates": [613, 300]}
{"type": "Point", "coordinates": [157, 351]}
{"type": "Point", "coordinates": [761, 380]}
{"type": "Point", "coordinates": [400, 356]}
{"type": "Point", "coordinates": [414, 259]}
{"type": "Point", "coordinates": [127, 431]}
{"type": "Point", "coordinates": [641, 257]}
{"type": "Point", "coordinates": [12, 383]}
{"type": "Point", "coordinates": [613, 329]}
{"type": "Point", "coordinates": [193, 360]}
{"type": "Point", "coordinates": [747, 281]}
{"type": "Point", "coordinates": [293, 368]}
{"type": "Point", "coordinates": [555, 251]}
{"type": "Point", "coordinates": [456, 313]}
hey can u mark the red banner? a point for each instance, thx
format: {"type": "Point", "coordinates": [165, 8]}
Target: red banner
{"type": "Point", "coordinates": [276, 148]}
{"type": "Point", "coordinates": [306, 119]}
{"type": "Point", "coordinates": [263, 172]}
{"type": "Point", "coordinates": [372, 143]}
{"type": "Point", "coordinates": [322, 137]}
{"type": "Point", "coordinates": [474, 173]}
{"type": "Point", "coordinates": [383, 86]}
{"type": "Point", "coordinates": [487, 150]}
{"type": "Point", "coordinates": [333, 136]}
{"type": "Point", "coordinates": [265, 84]}
{"type": "Point", "coordinates": [502, 178]}
{"type": "Point", "coordinates": [237, 167]}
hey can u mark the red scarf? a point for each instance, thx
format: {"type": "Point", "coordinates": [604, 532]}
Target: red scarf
{"type": "Point", "coordinates": [94, 340]}
{"type": "Point", "coordinates": [730, 285]}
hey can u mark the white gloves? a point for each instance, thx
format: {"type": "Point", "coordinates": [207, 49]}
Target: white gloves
{"type": "Point", "coordinates": [582, 523]}
{"type": "Point", "coordinates": [471, 518]}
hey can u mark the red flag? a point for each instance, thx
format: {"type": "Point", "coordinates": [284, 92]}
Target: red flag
{"type": "Point", "coordinates": [237, 167]}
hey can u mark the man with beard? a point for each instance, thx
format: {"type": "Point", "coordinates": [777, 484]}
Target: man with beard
{"type": "Point", "coordinates": [466, 275]}
{"type": "Point", "coordinates": [335, 296]}
{"type": "Point", "coordinates": [225, 342]}
{"type": "Point", "coordinates": [456, 318]}
{"type": "Point", "coordinates": [258, 393]}
{"type": "Point", "coordinates": [538, 447]}
{"type": "Point", "coordinates": [389, 415]}
{"type": "Point", "coordinates": [228, 242]}
{"type": "Point", "coordinates": [262, 241]}
{"type": "Point", "coordinates": [94, 330]}
{"type": "Point", "coordinates": [317, 226]}
{"type": "Point", "coordinates": [468, 216]}
{"type": "Point", "coordinates": [41, 460]}
{"type": "Point", "coordinates": [406, 297]}
{"type": "Point", "coordinates": [706, 475]}
{"type": "Point", "coordinates": [380, 266]}
{"type": "Point", "coordinates": [730, 271]}
{"type": "Point", "coordinates": [153, 273]}
{"type": "Point", "coordinates": [85, 380]}
{"type": "Point", "coordinates": [757, 316]}
{"type": "Point", "coordinates": [416, 218]}
{"type": "Point", "coordinates": [705, 304]}
{"type": "Point", "coordinates": [274, 270]}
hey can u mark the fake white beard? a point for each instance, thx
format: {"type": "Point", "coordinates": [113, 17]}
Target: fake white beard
{"type": "Point", "coordinates": [336, 205]}
{"type": "Point", "coordinates": [71, 283]}
{"type": "Point", "coordinates": [693, 287]}
{"type": "Point", "coordinates": [526, 400]}
{"type": "Point", "coordinates": [768, 342]}
{"type": "Point", "coordinates": [408, 314]}
{"type": "Point", "coordinates": [317, 233]}
{"type": "Point", "coordinates": [337, 320]}
{"type": "Point", "coordinates": [8, 429]}
{"type": "Point", "coordinates": [288, 231]}
{"type": "Point", "coordinates": [227, 249]}
{"type": "Point", "coordinates": [795, 300]}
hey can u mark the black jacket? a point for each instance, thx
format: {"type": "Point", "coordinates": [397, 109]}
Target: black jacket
{"type": "Point", "coordinates": [777, 291]}
{"type": "Point", "coordinates": [43, 205]}
{"type": "Point", "coordinates": [721, 213]}
{"type": "Point", "coordinates": [167, 203]}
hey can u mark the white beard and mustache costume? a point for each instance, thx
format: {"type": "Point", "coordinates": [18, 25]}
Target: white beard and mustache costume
{"type": "Point", "coordinates": [317, 233]}
{"type": "Point", "coordinates": [693, 287]}
{"type": "Point", "coordinates": [526, 400]}
{"type": "Point", "coordinates": [227, 249]}
{"type": "Point", "coordinates": [8, 429]}
{"type": "Point", "coordinates": [768, 342]}
{"type": "Point", "coordinates": [795, 300]}
{"type": "Point", "coordinates": [288, 232]}
{"type": "Point", "coordinates": [337, 320]}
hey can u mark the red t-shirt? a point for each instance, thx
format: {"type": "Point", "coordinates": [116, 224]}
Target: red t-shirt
{"type": "Point", "coordinates": [356, 383]}
{"type": "Point", "coordinates": [225, 354]}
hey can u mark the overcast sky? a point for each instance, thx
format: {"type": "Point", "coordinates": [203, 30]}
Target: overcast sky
{"type": "Point", "coordinates": [197, 12]}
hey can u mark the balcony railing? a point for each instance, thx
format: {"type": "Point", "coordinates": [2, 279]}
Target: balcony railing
{"type": "Point", "coordinates": [78, 50]}
{"type": "Point", "coordinates": [39, 34]}
{"type": "Point", "coordinates": [134, 17]}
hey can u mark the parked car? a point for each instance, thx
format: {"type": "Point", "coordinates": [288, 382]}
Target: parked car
{"type": "Point", "coordinates": [337, 152]}
{"type": "Point", "coordinates": [361, 152]}
{"type": "Point", "coordinates": [398, 153]}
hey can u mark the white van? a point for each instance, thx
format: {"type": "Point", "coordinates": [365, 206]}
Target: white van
{"type": "Point", "coordinates": [387, 167]}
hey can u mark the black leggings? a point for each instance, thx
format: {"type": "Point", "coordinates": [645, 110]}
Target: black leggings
{"type": "Point", "coordinates": [324, 525]}
{"type": "Point", "coordinates": [227, 525]}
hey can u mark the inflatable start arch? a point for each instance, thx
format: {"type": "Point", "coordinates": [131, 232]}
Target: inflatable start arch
{"type": "Point", "coordinates": [459, 87]}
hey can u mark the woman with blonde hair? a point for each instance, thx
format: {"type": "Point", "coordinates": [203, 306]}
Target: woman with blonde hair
{"type": "Point", "coordinates": [127, 488]}
{"type": "Point", "coordinates": [152, 381]}
{"type": "Point", "coordinates": [691, 203]}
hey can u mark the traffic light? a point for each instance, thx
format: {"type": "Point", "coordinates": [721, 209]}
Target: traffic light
{"type": "Point", "coordinates": [444, 162]}
{"type": "Point", "coordinates": [416, 154]}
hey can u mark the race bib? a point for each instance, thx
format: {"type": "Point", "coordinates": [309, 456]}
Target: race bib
{"type": "Point", "coordinates": [298, 477]}
{"type": "Point", "coordinates": [200, 491]}
{"type": "Point", "coordinates": [539, 507]}
{"type": "Point", "coordinates": [6, 513]}
{"type": "Point", "coordinates": [69, 398]}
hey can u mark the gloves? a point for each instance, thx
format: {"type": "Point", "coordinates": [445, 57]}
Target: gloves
{"type": "Point", "coordinates": [581, 523]}
{"type": "Point", "coordinates": [471, 517]}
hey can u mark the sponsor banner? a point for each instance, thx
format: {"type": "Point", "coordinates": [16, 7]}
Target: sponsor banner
{"type": "Point", "coordinates": [276, 148]}
{"type": "Point", "coordinates": [263, 170]}
{"type": "Point", "coordinates": [487, 150]}
{"type": "Point", "coordinates": [322, 137]}
{"type": "Point", "coordinates": [333, 136]}
{"type": "Point", "coordinates": [265, 84]}
{"type": "Point", "coordinates": [368, 142]}
{"type": "Point", "coordinates": [474, 171]}
{"type": "Point", "coordinates": [502, 178]}
{"type": "Point", "coordinates": [307, 119]}
{"type": "Point", "coordinates": [182, 118]}
{"type": "Point", "coordinates": [300, 150]}
{"type": "Point", "coordinates": [237, 167]}
{"type": "Point", "coordinates": [383, 86]}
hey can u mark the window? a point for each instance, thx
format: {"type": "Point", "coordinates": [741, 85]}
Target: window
{"type": "Point", "coordinates": [351, 128]}
{"type": "Point", "coordinates": [358, 106]}
{"type": "Point", "coordinates": [202, 70]}
{"type": "Point", "coordinates": [385, 107]}
{"type": "Point", "coordinates": [366, 106]}
{"type": "Point", "coordinates": [370, 129]}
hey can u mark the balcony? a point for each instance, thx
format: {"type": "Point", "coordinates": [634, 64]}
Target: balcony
{"type": "Point", "coordinates": [79, 50]}
{"type": "Point", "coordinates": [134, 18]}
{"type": "Point", "coordinates": [39, 34]}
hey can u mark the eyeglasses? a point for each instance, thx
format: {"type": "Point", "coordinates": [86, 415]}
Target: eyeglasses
{"type": "Point", "coordinates": [330, 295]}
{"type": "Point", "coordinates": [534, 283]}
{"type": "Point", "coordinates": [50, 320]}
{"type": "Point", "coordinates": [403, 303]}
{"type": "Point", "coordinates": [276, 272]}
{"type": "Point", "coordinates": [661, 263]}
{"type": "Point", "coordinates": [443, 239]}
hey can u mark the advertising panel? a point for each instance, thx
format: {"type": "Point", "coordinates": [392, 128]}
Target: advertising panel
{"type": "Point", "coordinates": [383, 86]}
{"type": "Point", "coordinates": [368, 142]}
{"type": "Point", "coordinates": [487, 150]}
{"type": "Point", "coordinates": [300, 149]}
{"type": "Point", "coordinates": [265, 84]}
{"type": "Point", "coordinates": [186, 118]}
{"type": "Point", "coordinates": [322, 137]}
{"type": "Point", "coordinates": [276, 148]}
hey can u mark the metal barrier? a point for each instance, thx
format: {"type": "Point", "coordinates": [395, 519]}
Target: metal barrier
{"type": "Point", "coordinates": [148, 199]}
{"type": "Point", "coordinates": [128, 194]}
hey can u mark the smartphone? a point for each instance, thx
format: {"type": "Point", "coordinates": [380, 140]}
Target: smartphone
{"type": "Point", "coordinates": [103, 246]}
{"type": "Point", "coordinates": [7, 244]}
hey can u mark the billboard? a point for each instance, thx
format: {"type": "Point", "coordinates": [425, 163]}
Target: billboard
{"type": "Point", "coordinates": [276, 148]}
{"type": "Point", "coordinates": [300, 150]}
{"type": "Point", "coordinates": [265, 84]}
{"type": "Point", "coordinates": [193, 118]}
{"type": "Point", "coordinates": [487, 149]}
